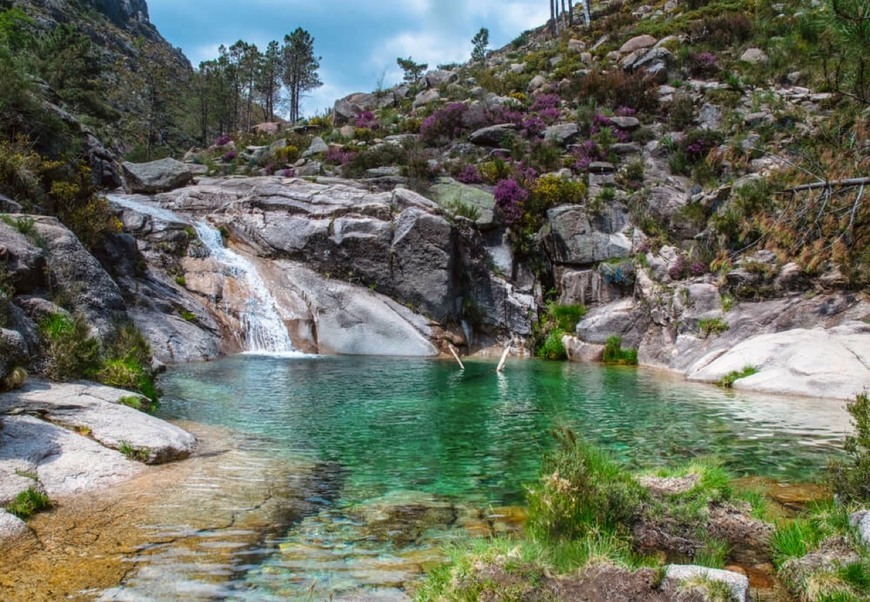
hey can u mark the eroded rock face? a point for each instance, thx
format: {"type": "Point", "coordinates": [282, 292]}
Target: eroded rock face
{"type": "Point", "coordinates": [577, 237]}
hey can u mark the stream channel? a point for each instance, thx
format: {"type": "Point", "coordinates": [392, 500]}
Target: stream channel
{"type": "Point", "coordinates": [379, 463]}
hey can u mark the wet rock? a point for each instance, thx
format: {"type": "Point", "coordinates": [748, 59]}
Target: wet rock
{"type": "Point", "coordinates": [402, 517]}
{"type": "Point", "coordinates": [677, 575]}
{"type": "Point", "coordinates": [156, 176]}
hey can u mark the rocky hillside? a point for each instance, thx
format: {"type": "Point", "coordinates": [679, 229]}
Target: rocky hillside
{"type": "Point", "coordinates": [678, 184]}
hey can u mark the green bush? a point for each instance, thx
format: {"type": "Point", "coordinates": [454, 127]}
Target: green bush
{"type": "Point", "coordinates": [708, 326]}
{"type": "Point", "coordinates": [127, 363]}
{"type": "Point", "coordinates": [552, 347]}
{"type": "Point", "coordinates": [27, 503]}
{"type": "Point", "coordinates": [614, 354]}
{"type": "Point", "coordinates": [728, 380]}
{"type": "Point", "coordinates": [851, 478]}
{"type": "Point", "coordinates": [582, 491]}
{"type": "Point", "coordinates": [566, 316]}
{"type": "Point", "coordinates": [71, 351]}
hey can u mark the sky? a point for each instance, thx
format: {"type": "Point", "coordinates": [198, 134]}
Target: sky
{"type": "Point", "coordinates": [358, 40]}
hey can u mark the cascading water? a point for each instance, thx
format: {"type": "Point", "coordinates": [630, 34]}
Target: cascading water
{"type": "Point", "coordinates": [262, 327]}
{"type": "Point", "coordinates": [263, 331]}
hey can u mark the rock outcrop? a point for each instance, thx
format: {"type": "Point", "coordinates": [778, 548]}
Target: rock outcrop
{"type": "Point", "coordinates": [64, 439]}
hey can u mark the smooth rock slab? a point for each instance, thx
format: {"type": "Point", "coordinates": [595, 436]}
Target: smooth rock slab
{"type": "Point", "coordinates": [677, 574]}
{"type": "Point", "coordinates": [63, 462]}
{"type": "Point", "coordinates": [95, 409]}
{"type": "Point", "coordinates": [815, 362]}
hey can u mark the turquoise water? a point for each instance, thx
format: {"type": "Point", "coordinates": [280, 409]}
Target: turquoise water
{"type": "Point", "coordinates": [473, 437]}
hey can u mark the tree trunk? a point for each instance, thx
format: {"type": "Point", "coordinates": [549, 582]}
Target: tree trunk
{"type": "Point", "coordinates": [553, 16]}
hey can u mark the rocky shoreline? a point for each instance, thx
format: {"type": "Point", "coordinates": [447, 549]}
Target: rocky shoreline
{"type": "Point", "coordinates": [67, 439]}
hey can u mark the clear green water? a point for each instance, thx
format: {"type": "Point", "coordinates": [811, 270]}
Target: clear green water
{"type": "Point", "coordinates": [476, 436]}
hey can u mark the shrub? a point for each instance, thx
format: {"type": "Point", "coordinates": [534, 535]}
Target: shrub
{"type": "Point", "coordinates": [708, 326]}
{"type": "Point", "coordinates": [728, 380]}
{"type": "Point", "coordinates": [71, 351]}
{"type": "Point", "coordinates": [470, 175]}
{"type": "Point", "coordinates": [617, 88]}
{"type": "Point", "coordinates": [445, 123]}
{"type": "Point", "coordinates": [551, 190]}
{"type": "Point", "coordinates": [582, 491]}
{"type": "Point", "coordinates": [553, 348]}
{"type": "Point", "coordinates": [566, 317]}
{"type": "Point", "coordinates": [27, 503]}
{"type": "Point", "coordinates": [614, 354]}
{"type": "Point", "coordinates": [223, 140]}
{"type": "Point", "coordinates": [850, 478]}
{"type": "Point", "coordinates": [510, 200]}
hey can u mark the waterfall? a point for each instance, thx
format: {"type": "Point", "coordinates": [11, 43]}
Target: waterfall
{"type": "Point", "coordinates": [262, 327]}
{"type": "Point", "coordinates": [263, 331]}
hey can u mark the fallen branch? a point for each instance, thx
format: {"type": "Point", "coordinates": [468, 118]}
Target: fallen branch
{"type": "Point", "coordinates": [851, 182]}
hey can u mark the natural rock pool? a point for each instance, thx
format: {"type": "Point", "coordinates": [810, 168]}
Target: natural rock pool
{"type": "Point", "coordinates": [411, 453]}
{"type": "Point", "coordinates": [344, 477]}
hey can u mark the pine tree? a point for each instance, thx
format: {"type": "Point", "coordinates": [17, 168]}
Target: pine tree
{"type": "Point", "coordinates": [300, 68]}
{"type": "Point", "coordinates": [480, 42]}
{"type": "Point", "coordinates": [269, 80]}
{"type": "Point", "coordinates": [413, 71]}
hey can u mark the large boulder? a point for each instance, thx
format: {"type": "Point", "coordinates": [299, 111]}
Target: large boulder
{"type": "Point", "coordinates": [814, 362]}
{"type": "Point", "coordinates": [493, 135]}
{"type": "Point", "coordinates": [578, 237]}
{"type": "Point", "coordinates": [422, 262]}
{"type": "Point", "coordinates": [22, 258]}
{"type": "Point", "coordinates": [624, 318]}
{"type": "Point", "coordinates": [351, 320]}
{"type": "Point", "coordinates": [156, 176]}
{"type": "Point", "coordinates": [77, 275]}
{"type": "Point", "coordinates": [449, 193]}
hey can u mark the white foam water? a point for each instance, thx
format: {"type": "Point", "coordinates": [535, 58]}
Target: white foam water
{"type": "Point", "coordinates": [263, 331]}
